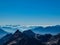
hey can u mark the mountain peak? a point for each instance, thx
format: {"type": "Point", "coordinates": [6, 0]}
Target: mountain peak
{"type": "Point", "coordinates": [17, 34]}
{"type": "Point", "coordinates": [29, 33]}
{"type": "Point", "coordinates": [17, 31]}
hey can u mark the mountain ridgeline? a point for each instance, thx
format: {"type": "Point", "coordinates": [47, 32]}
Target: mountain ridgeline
{"type": "Point", "coordinates": [2, 33]}
{"type": "Point", "coordinates": [36, 29]}
{"type": "Point", "coordinates": [33, 36]}
{"type": "Point", "coordinates": [30, 38]}
{"type": "Point", "coordinates": [47, 30]}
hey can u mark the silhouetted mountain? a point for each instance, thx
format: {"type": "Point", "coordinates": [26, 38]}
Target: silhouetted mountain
{"type": "Point", "coordinates": [19, 38]}
{"type": "Point", "coordinates": [29, 33]}
{"type": "Point", "coordinates": [2, 33]}
{"type": "Point", "coordinates": [30, 38]}
{"type": "Point", "coordinates": [54, 39]}
{"type": "Point", "coordinates": [17, 34]}
{"type": "Point", "coordinates": [5, 39]}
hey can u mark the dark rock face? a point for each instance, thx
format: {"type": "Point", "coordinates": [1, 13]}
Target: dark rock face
{"type": "Point", "coordinates": [5, 39]}
{"type": "Point", "coordinates": [58, 42]}
{"type": "Point", "coordinates": [28, 38]}
{"type": "Point", "coordinates": [25, 38]}
{"type": "Point", "coordinates": [15, 38]}
{"type": "Point", "coordinates": [29, 33]}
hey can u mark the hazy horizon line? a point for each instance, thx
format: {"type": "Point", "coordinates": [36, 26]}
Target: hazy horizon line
{"type": "Point", "coordinates": [27, 25]}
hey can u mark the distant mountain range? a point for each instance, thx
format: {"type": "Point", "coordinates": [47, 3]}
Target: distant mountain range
{"type": "Point", "coordinates": [30, 38]}
{"type": "Point", "coordinates": [47, 30]}
{"type": "Point", "coordinates": [13, 28]}
{"type": "Point", "coordinates": [35, 29]}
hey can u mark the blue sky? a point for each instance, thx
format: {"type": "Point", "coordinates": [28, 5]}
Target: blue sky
{"type": "Point", "coordinates": [30, 12]}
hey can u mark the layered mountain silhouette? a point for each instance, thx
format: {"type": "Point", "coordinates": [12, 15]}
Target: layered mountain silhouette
{"type": "Point", "coordinates": [47, 30]}
{"type": "Point", "coordinates": [2, 33]}
{"type": "Point", "coordinates": [19, 38]}
{"type": "Point", "coordinates": [5, 39]}
{"type": "Point", "coordinates": [36, 29]}
{"type": "Point", "coordinates": [30, 38]}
